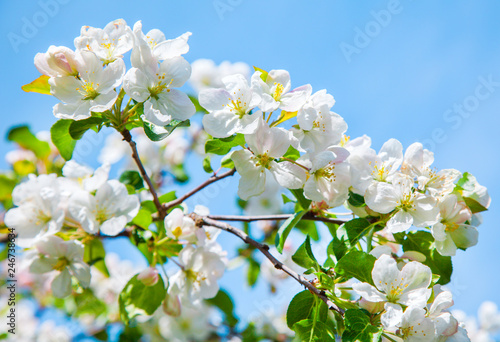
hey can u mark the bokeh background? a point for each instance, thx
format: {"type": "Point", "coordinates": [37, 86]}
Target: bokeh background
{"type": "Point", "coordinates": [423, 71]}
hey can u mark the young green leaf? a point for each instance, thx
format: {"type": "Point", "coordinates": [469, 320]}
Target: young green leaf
{"type": "Point", "coordinates": [356, 229]}
{"type": "Point", "coordinates": [301, 307]}
{"type": "Point", "coordinates": [224, 302]}
{"type": "Point", "coordinates": [299, 195]}
{"type": "Point", "coordinates": [286, 228]}
{"type": "Point", "coordinates": [24, 138]}
{"type": "Point", "coordinates": [78, 128]}
{"type": "Point", "coordinates": [222, 146]}
{"type": "Point", "coordinates": [94, 254]}
{"type": "Point", "coordinates": [158, 133]}
{"type": "Point", "coordinates": [474, 206]}
{"type": "Point", "coordinates": [304, 256]}
{"type": "Point", "coordinates": [61, 138]}
{"type": "Point", "coordinates": [206, 165]}
{"type": "Point", "coordinates": [313, 330]}
{"type": "Point", "coordinates": [40, 85]}
{"type": "Point", "coordinates": [356, 264]}
{"type": "Point", "coordinates": [138, 299]}
{"type": "Point", "coordinates": [132, 178]}
{"type": "Point", "coordinates": [359, 328]}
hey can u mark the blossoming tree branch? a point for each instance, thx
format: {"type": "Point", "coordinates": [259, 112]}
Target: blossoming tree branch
{"type": "Point", "coordinates": [377, 230]}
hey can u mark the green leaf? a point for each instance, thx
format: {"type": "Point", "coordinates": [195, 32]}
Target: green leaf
{"type": "Point", "coordinates": [250, 333]}
{"type": "Point", "coordinates": [179, 173]}
{"type": "Point", "coordinates": [253, 271]}
{"type": "Point", "coordinates": [467, 182]}
{"type": "Point", "coordinates": [61, 138]}
{"type": "Point", "coordinates": [199, 108]}
{"type": "Point", "coordinates": [337, 248]}
{"type": "Point", "coordinates": [40, 85]}
{"type": "Point", "coordinates": [299, 195]}
{"type": "Point", "coordinates": [423, 242]}
{"type": "Point", "coordinates": [222, 146]}
{"type": "Point", "coordinates": [157, 133]}
{"type": "Point", "coordinates": [94, 254]}
{"type": "Point", "coordinates": [78, 128]}
{"type": "Point", "coordinates": [138, 299]}
{"type": "Point", "coordinates": [356, 200]}
{"type": "Point", "coordinates": [292, 153]}
{"type": "Point", "coordinates": [206, 165]}
{"type": "Point", "coordinates": [301, 307]}
{"type": "Point", "coordinates": [474, 206]}
{"type": "Point", "coordinates": [263, 76]}
{"type": "Point", "coordinates": [227, 162]}
{"type": "Point", "coordinates": [7, 185]}
{"type": "Point", "coordinates": [286, 228]}
{"type": "Point", "coordinates": [87, 303]}
{"type": "Point", "coordinates": [224, 302]}
{"type": "Point", "coordinates": [308, 227]}
{"type": "Point", "coordinates": [359, 328]}
{"type": "Point", "coordinates": [356, 229]}
{"type": "Point", "coordinates": [132, 178]}
{"type": "Point", "coordinates": [143, 219]}
{"type": "Point", "coordinates": [304, 256]}
{"type": "Point", "coordinates": [27, 140]}
{"type": "Point", "coordinates": [313, 330]}
{"type": "Point", "coordinates": [356, 264]}
{"type": "Point", "coordinates": [169, 248]}
{"type": "Point", "coordinates": [286, 199]}
{"type": "Point", "coordinates": [168, 197]}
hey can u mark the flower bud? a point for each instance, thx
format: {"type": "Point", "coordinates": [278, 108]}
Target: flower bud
{"type": "Point", "coordinates": [149, 276]}
{"type": "Point", "coordinates": [57, 61]}
{"type": "Point", "coordinates": [172, 305]}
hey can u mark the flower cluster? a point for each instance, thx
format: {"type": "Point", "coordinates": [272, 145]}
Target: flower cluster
{"type": "Point", "coordinates": [279, 139]}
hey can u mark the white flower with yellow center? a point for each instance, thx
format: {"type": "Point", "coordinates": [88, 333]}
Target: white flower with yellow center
{"type": "Point", "coordinates": [229, 108]}
{"type": "Point", "coordinates": [110, 43]}
{"type": "Point", "coordinates": [407, 287]}
{"type": "Point", "coordinates": [154, 85]}
{"type": "Point", "coordinates": [180, 227]}
{"type": "Point", "coordinates": [197, 279]}
{"type": "Point", "coordinates": [370, 167]}
{"type": "Point", "coordinates": [39, 211]}
{"type": "Point", "coordinates": [275, 91]}
{"type": "Point", "coordinates": [54, 254]}
{"type": "Point", "coordinates": [108, 211]}
{"type": "Point", "coordinates": [329, 176]}
{"type": "Point", "coordinates": [265, 146]}
{"type": "Point", "coordinates": [415, 327]}
{"type": "Point", "coordinates": [452, 231]}
{"type": "Point", "coordinates": [409, 207]}
{"type": "Point", "coordinates": [92, 90]}
{"type": "Point", "coordinates": [318, 103]}
{"type": "Point", "coordinates": [326, 130]}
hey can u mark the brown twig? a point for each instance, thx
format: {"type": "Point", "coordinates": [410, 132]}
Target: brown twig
{"type": "Point", "coordinates": [203, 185]}
{"type": "Point", "coordinates": [264, 249]}
{"type": "Point", "coordinates": [135, 155]}
{"type": "Point", "coordinates": [278, 217]}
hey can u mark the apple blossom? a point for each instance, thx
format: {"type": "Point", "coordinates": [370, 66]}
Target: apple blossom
{"type": "Point", "coordinates": [266, 145]}
{"type": "Point", "coordinates": [110, 43]}
{"type": "Point", "coordinates": [108, 211]}
{"type": "Point", "coordinates": [66, 257]}
{"type": "Point", "coordinates": [92, 91]}
{"type": "Point", "coordinates": [58, 61]}
{"type": "Point", "coordinates": [313, 107]}
{"type": "Point", "coordinates": [39, 211]}
{"type": "Point", "coordinates": [180, 227]}
{"type": "Point", "coordinates": [410, 207]}
{"type": "Point", "coordinates": [275, 91]}
{"type": "Point", "coordinates": [229, 108]}
{"type": "Point", "coordinates": [198, 277]}
{"type": "Point", "coordinates": [452, 231]}
{"type": "Point", "coordinates": [205, 74]}
{"type": "Point", "coordinates": [407, 287]}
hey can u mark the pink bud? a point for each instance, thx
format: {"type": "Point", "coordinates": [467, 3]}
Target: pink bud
{"type": "Point", "coordinates": [172, 305]}
{"type": "Point", "coordinates": [149, 276]}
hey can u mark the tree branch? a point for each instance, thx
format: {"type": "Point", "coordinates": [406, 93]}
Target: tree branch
{"type": "Point", "coordinates": [264, 249]}
{"type": "Point", "coordinates": [203, 185]}
{"type": "Point", "coordinates": [278, 217]}
{"type": "Point", "coordinates": [135, 155]}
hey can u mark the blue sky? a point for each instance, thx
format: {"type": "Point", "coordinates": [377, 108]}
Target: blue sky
{"type": "Point", "coordinates": [412, 70]}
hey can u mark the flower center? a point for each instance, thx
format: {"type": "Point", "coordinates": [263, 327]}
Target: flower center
{"type": "Point", "coordinates": [61, 264]}
{"type": "Point", "coordinates": [264, 160]}
{"type": "Point", "coordinates": [278, 91]}
{"type": "Point", "coordinates": [161, 85]}
{"type": "Point", "coordinates": [327, 172]}
{"type": "Point", "coordinates": [89, 90]}
{"type": "Point", "coordinates": [237, 106]}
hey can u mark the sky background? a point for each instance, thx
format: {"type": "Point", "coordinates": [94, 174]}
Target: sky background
{"type": "Point", "coordinates": [397, 69]}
